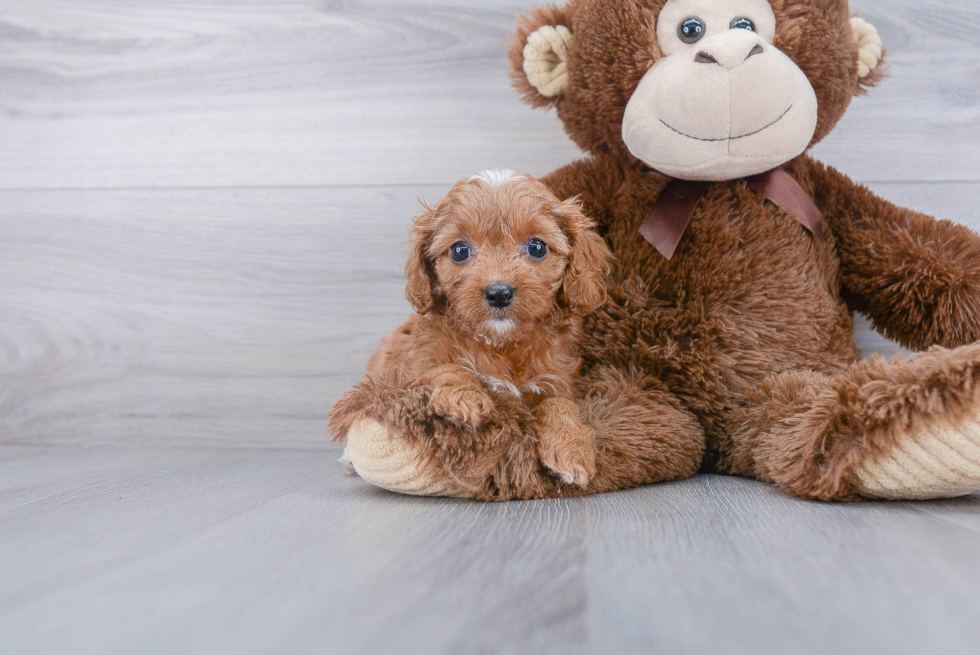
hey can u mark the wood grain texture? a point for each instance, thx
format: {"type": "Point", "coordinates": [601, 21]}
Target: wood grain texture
{"type": "Point", "coordinates": [200, 316]}
{"type": "Point", "coordinates": [125, 93]}
{"type": "Point", "coordinates": [218, 316]}
{"type": "Point", "coordinates": [215, 279]}
{"type": "Point", "coordinates": [116, 550]}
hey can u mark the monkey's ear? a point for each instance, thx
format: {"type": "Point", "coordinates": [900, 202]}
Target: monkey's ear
{"type": "Point", "coordinates": [584, 285]}
{"type": "Point", "coordinates": [871, 52]}
{"type": "Point", "coordinates": [538, 54]}
{"type": "Point", "coordinates": [419, 272]}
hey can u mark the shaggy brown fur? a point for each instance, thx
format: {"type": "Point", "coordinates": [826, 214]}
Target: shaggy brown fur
{"type": "Point", "coordinates": [642, 436]}
{"type": "Point", "coordinates": [737, 354]}
{"type": "Point", "coordinates": [459, 347]}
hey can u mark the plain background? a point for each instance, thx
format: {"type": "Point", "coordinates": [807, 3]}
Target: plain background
{"type": "Point", "coordinates": [203, 204]}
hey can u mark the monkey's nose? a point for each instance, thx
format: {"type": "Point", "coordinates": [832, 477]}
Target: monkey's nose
{"type": "Point", "coordinates": [499, 295]}
{"type": "Point", "coordinates": [730, 50]}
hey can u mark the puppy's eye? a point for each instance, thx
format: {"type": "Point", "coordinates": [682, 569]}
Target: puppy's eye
{"type": "Point", "coordinates": [537, 249]}
{"type": "Point", "coordinates": [743, 24]}
{"type": "Point", "coordinates": [691, 30]}
{"type": "Point", "coordinates": [459, 252]}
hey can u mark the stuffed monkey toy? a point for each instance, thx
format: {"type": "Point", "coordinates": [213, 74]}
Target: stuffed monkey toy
{"type": "Point", "coordinates": [726, 343]}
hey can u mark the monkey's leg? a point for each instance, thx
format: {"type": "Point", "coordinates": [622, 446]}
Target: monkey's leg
{"type": "Point", "coordinates": [642, 434]}
{"type": "Point", "coordinates": [395, 441]}
{"type": "Point", "coordinates": [407, 463]}
{"type": "Point", "coordinates": [901, 429]}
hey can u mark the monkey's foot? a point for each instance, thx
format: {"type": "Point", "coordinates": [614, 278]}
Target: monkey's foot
{"type": "Point", "coordinates": [935, 460]}
{"type": "Point", "coordinates": [391, 463]}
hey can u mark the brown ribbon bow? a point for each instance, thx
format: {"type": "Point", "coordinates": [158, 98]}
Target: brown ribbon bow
{"type": "Point", "coordinates": [665, 225]}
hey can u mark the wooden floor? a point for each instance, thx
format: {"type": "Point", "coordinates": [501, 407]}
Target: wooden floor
{"type": "Point", "coordinates": [141, 550]}
{"type": "Point", "coordinates": [202, 211]}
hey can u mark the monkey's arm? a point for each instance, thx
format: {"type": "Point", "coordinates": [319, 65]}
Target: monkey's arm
{"type": "Point", "coordinates": [916, 277]}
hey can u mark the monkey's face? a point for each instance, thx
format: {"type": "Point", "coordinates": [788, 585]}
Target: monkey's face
{"type": "Point", "coordinates": [697, 89]}
{"type": "Point", "coordinates": [723, 102]}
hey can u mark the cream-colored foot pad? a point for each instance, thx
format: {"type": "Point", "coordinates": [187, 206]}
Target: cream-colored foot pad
{"type": "Point", "coordinates": [389, 463]}
{"type": "Point", "coordinates": [934, 462]}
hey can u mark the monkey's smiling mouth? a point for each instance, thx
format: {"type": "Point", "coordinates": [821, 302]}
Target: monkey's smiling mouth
{"type": "Point", "coordinates": [730, 138]}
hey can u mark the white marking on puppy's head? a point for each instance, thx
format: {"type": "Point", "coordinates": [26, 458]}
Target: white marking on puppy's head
{"type": "Point", "coordinates": [495, 177]}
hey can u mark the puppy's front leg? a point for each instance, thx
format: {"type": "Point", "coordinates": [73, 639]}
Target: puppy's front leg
{"type": "Point", "coordinates": [565, 446]}
{"type": "Point", "coordinates": [458, 395]}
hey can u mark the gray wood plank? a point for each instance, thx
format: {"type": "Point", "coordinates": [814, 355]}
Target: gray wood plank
{"type": "Point", "coordinates": [218, 316]}
{"type": "Point", "coordinates": [740, 568]}
{"type": "Point", "coordinates": [928, 97]}
{"type": "Point", "coordinates": [121, 550]}
{"type": "Point", "coordinates": [126, 93]}
{"type": "Point", "coordinates": [229, 316]}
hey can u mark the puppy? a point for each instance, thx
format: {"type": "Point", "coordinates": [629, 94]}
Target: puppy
{"type": "Point", "coordinates": [500, 273]}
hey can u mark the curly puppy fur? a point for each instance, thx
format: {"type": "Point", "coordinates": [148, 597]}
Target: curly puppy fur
{"type": "Point", "coordinates": [468, 353]}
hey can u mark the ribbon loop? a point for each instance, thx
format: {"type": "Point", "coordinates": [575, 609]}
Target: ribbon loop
{"type": "Point", "coordinates": [670, 217]}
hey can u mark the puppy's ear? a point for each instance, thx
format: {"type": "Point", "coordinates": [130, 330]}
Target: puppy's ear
{"type": "Point", "coordinates": [419, 271]}
{"type": "Point", "coordinates": [584, 284]}
{"type": "Point", "coordinates": [538, 53]}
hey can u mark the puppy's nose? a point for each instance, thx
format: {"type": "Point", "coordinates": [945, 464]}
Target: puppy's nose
{"type": "Point", "coordinates": [499, 295]}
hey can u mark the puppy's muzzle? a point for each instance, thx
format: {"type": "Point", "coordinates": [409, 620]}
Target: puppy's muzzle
{"type": "Point", "coordinates": [499, 295]}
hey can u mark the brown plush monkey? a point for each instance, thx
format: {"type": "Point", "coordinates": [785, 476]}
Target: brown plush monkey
{"type": "Point", "coordinates": [727, 340]}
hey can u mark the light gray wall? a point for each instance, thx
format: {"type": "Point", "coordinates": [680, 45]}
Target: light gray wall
{"type": "Point", "coordinates": [203, 204]}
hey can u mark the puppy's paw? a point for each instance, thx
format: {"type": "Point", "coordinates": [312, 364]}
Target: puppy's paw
{"type": "Point", "coordinates": [468, 405]}
{"type": "Point", "coordinates": [572, 463]}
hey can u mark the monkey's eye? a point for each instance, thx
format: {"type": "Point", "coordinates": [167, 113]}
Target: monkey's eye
{"type": "Point", "coordinates": [537, 249]}
{"type": "Point", "coordinates": [743, 24]}
{"type": "Point", "coordinates": [459, 252]}
{"type": "Point", "coordinates": [691, 30]}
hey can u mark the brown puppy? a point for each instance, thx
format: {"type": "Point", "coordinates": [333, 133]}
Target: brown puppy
{"type": "Point", "coordinates": [500, 274]}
